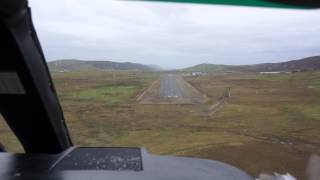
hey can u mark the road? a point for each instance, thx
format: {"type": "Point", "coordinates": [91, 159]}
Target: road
{"type": "Point", "coordinates": [171, 89]}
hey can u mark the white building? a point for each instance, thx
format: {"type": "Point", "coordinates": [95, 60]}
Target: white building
{"type": "Point", "coordinates": [276, 72]}
{"type": "Point", "coordinates": [198, 74]}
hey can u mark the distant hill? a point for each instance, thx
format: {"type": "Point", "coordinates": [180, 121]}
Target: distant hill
{"type": "Point", "coordinates": [310, 63]}
{"type": "Point", "coordinates": [208, 67]}
{"type": "Point", "coordinates": [79, 65]}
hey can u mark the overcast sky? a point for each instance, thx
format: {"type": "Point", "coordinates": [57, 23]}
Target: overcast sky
{"type": "Point", "coordinates": [173, 35]}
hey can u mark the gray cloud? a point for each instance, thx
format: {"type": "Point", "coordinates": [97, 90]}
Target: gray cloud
{"type": "Point", "coordinates": [173, 35]}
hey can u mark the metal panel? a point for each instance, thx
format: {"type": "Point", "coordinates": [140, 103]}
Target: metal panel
{"type": "Point", "coordinates": [257, 3]}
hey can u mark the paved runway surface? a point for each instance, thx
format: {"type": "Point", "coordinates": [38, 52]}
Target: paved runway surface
{"type": "Point", "coordinates": [171, 89]}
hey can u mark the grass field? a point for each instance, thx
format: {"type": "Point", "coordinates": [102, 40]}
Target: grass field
{"type": "Point", "coordinates": [270, 122]}
{"type": "Point", "coordinates": [278, 113]}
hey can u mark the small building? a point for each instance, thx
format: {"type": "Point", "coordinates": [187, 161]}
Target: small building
{"type": "Point", "coordinates": [195, 74]}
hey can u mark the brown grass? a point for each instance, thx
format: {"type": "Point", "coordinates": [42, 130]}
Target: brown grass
{"type": "Point", "coordinates": [270, 123]}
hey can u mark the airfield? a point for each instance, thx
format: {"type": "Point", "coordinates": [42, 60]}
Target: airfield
{"type": "Point", "coordinates": [269, 123]}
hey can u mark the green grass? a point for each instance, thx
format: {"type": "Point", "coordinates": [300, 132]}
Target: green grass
{"type": "Point", "coordinates": [315, 83]}
{"type": "Point", "coordinates": [109, 87]}
{"type": "Point", "coordinates": [112, 94]}
{"type": "Point", "coordinates": [274, 77]}
{"type": "Point", "coordinates": [305, 112]}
